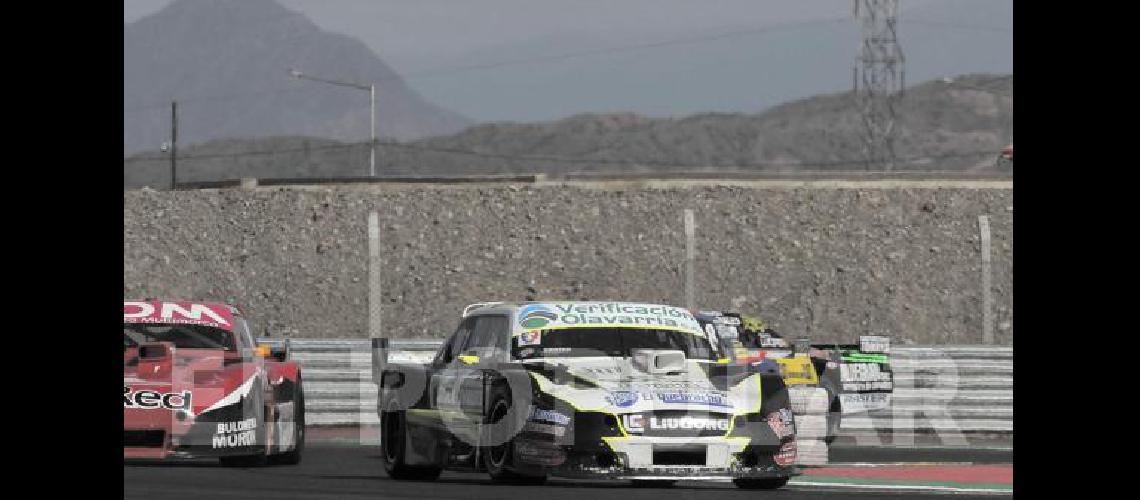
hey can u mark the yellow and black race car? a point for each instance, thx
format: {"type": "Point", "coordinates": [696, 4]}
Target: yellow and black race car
{"type": "Point", "coordinates": [857, 377]}
{"type": "Point", "coordinates": [598, 390]}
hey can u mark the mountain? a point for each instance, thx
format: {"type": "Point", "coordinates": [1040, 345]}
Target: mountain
{"type": "Point", "coordinates": [749, 71]}
{"type": "Point", "coordinates": [956, 124]}
{"type": "Point", "coordinates": [226, 62]}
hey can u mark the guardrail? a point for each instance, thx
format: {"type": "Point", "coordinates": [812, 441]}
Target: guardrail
{"type": "Point", "coordinates": [938, 389]}
{"type": "Point", "coordinates": [590, 176]}
{"type": "Point", "coordinates": [396, 179]}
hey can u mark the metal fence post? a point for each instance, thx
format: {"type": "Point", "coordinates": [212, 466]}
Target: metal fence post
{"type": "Point", "coordinates": [690, 251]}
{"type": "Point", "coordinates": [374, 274]}
{"type": "Point", "coordinates": [987, 288]}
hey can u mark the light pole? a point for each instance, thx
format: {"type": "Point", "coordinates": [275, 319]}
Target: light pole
{"type": "Point", "coordinates": [293, 72]}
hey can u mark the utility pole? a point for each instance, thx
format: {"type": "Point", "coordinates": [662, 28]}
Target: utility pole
{"type": "Point", "coordinates": [371, 88]}
{"type": "Point", "coordinates": [372, 128]}
{"type": "Point", "coordinates": [173, 143]}
{"type": "Point", "coordinates": [878, 79]}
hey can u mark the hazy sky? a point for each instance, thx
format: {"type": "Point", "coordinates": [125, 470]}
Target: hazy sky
{"type": "Point", "coordinates": [717, 72]}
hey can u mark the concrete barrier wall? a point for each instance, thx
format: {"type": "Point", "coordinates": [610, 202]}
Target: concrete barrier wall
{"type": "Point", "coordinates": [944, 389]}
{"type": "Point", "coordinates": [824, 259]}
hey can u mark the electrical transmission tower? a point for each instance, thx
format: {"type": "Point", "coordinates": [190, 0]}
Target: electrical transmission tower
{"type": "Point", "coordinates": [878, 79]}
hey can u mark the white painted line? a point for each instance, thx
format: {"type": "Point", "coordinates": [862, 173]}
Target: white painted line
{"type": "Point", "coordinates": [900, 487]}
{"type": "Point", "coordinates": [894, 464]}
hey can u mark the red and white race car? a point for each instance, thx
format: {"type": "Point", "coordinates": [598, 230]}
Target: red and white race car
{"type": "Point", "coordinates": [195, 385]}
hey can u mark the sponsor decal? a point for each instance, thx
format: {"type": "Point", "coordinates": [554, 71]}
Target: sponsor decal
{"type": "Point", "coordinates": [233, 434]}
{"type": "Point", "coordinates": [860, 402]}
{"type": "Point", "coordinates": [868, 386]}
{"type": "Point", "coordinates": [177, 313]}
{"type": "Point", "coordinates": [536, 316]}
{"type": "Point", "coordinates": [797, 371]}
{"type": "Point", "coordinates": [862, 372]}
{"type": "Point", "coordinates": [633, 422]}
{"type": "Point", "coordinates": [549, 416]}
{"type": "Point", "coordinates": [538, 454]}
{"type": "Point", "coordinates": [604, 370]}
{"type": "Point", "coordinates": [781, 423]}
{"type": "Point", "coordinates": [152, 400]}
{"type": "Point", "coordinates": [874, 343]}
{"type": "Point", "coordinates": [556, 430]}
{"type": "Point", "coordinates": [869, 397]}
{"type": "Point", "coordinates": [704, 398]}
{"type": "Point", "coordinates": [531, 337]}
{"type": "Point", "coordinates": [787, 454]}
{"type": "Point", "coordinates": [689, 423]}
{"type": "Point", "coordinates": [663, 384]}
{"type": "Point", "coordinates": [622, 399]}
{"type": "Point", "coordinates": [862, 357]}
{"type": "Point", "coordinates": [773, 342]}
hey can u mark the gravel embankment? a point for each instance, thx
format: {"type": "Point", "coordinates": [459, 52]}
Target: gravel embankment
{"type": "Point", "coordinates": [829, 263]}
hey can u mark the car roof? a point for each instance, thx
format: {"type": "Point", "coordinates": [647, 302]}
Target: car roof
{"type": "Point", "coordinates": [562, 314]}
{"type": "Point", "coordinates": [481, 308]}
{"type": "Point", "coordinates": [235, 310]}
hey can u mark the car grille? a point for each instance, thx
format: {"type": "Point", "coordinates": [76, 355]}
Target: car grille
{"type": "Point", "coordinates": [143, 439]}
{"type": "Point", "coordinates": [679, 457]}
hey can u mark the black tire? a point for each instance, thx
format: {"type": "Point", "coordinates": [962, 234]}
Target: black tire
{"type": "Point", "coordinates": [760, 484]}
{"type": "Point", "coordinates": [499, 459]}
{"type": "Point", "coordinates": [654, 483]}
{"type": "Point", "coordinates": [834, 419]}
{"type": "Point", "coordinates": [293, 457]}
{"type": "Point", "coordinates": [393, 426]}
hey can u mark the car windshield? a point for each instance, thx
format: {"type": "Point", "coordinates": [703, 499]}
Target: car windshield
{"type": "Point", "coordinates": [613, 342]}
{"type": "Point", "coordinates": [182, 336]}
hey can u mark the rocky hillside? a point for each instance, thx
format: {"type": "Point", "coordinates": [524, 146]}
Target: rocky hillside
{"type": "Point", "coordinates": [827, 263]}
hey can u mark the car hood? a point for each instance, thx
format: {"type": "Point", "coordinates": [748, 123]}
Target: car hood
{"type": "Point", "coordinates": [618, 385]}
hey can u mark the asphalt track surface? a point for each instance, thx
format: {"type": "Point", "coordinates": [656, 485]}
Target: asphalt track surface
{"type": "Point", "coordinates": [355, 472]}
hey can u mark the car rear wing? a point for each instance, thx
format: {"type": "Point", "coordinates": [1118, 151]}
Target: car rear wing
{"type": "Point", "coordinates": [868, 344]}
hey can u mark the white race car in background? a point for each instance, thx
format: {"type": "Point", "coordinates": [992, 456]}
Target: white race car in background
{"type": "Point", "coordinates": [585, 390]}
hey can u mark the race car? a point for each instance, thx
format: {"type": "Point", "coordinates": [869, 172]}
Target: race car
{"type": "Point", "coordinates": [597, 390]}
{"type": "Point", "coordinates": [857, 377]}
{"type": "Point", "coordinates": [195, 385]}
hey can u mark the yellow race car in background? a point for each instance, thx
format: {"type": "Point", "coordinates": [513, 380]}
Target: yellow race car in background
{"type": "Point", "coordinates": [857, 377]}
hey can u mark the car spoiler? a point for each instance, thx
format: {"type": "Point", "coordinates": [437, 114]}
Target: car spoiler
{"type": "Point", "coordinates": [868, 344]}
